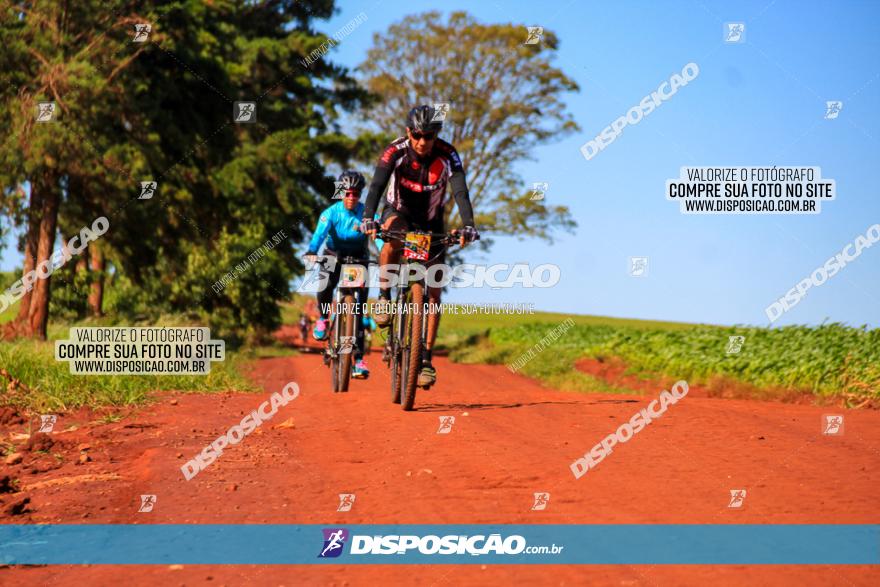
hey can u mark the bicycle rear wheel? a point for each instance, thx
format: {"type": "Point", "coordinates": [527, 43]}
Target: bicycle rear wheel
{"type": "Point", "coordinates": [347, 331]}
{"type": "Point", "coordinates": [412, 357]}
{"type": "Point", "coordinates": [332, 346]}
{"type": "Point", "coordinates": [395, 377]}
{"type": "Point", "coordinates": [395, 350]}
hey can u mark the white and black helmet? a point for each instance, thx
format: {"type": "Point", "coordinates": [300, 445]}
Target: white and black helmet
{"type": "Point", "coordinates": [351, 180]}
{"type": "Point", "coordinates": [421, 119]}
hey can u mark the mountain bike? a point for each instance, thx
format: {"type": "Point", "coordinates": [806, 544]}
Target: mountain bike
{"type": "Point", "coordinates": [408, 328]}
{"type": "Point", "coordinates": [343, 317]}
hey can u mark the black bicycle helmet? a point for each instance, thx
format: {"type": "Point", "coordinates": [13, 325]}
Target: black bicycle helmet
{"type": "Point", "coordinates": [421, 119]}
{"type": "Point", "coordinates": [351, 180]}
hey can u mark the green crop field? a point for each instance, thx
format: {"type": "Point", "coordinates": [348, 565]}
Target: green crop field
{"type": "Point", "coordinates": [828, 360]}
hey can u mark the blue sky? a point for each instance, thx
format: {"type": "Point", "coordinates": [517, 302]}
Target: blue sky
{"type": "Point", "coordinates": [760, 103]}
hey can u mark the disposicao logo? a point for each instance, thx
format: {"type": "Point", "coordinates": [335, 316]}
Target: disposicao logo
{"type": "Point", "coordinates": [334, 541]}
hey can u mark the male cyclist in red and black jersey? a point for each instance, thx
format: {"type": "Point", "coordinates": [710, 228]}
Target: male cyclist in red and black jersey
{"type": "Point", "coordinates": [413, 173]}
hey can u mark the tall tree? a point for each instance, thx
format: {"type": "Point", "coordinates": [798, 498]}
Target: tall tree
{"type": "Point", "coordinates": [227, 188]}
{"type": "Point", "coordinates": [506, 99]}
{"type": "Point", "coordinates": [53, 53]}
{"type": "Point", "coordinates": [162, 110]}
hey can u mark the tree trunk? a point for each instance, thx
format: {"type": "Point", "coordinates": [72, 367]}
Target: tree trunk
{"type": "Point", "coordinates": [82, 262]}
{"type": "Point", "coordinates": [30, 252]}
{"type": "Point", "coordinates": [99, 268]}
{"type": "Point", "coordinates": [38, 316]}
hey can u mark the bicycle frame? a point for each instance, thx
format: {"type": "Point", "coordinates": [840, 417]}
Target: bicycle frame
{"type": "Point", "coordinates": [400, 343]}
{"type": "Point", "coordinates": [336, 348]}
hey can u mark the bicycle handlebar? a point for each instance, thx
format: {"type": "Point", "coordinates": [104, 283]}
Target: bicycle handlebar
{"type": "Point", "coordinates": [346, 260]}
{"type": "Point", "coordinates": [449, 237]}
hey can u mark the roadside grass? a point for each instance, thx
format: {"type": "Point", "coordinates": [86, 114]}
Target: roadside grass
{"type": "Point", "coordinates": [8, 314]}
{"type": "Point", "coordinates": [48, 385]}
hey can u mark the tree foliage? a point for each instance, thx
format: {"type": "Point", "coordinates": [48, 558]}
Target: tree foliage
{"type": "Point", "coordinates": [506, 99]}
{"type": "Point", "coordinates": [162, 110]}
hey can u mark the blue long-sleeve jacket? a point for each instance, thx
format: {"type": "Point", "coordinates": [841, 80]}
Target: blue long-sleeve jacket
{"type": "Point", "coordinates": [340, 227]}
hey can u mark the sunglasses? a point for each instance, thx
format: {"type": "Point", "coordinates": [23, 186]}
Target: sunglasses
{"type": "Point", "coordinates": [428, 136]}
{"type": "Point", "coordinates": [352, 194]}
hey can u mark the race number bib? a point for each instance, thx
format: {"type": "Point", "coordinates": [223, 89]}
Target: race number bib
{"type": "Point", "coordinates": [352, 276]}
{"type": "Point", "coordinates": [417, 246]}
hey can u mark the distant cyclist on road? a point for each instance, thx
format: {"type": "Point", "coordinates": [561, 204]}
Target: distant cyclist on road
{"type": "Point", "coordinates": [304, 324]}
{"type": "Point", "coordinates": [340, 226]}
{"type": "Point", "coordinates": [413, 173]}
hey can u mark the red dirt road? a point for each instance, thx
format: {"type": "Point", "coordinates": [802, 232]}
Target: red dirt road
{"type": "Point", "coordinates": [511, 438]}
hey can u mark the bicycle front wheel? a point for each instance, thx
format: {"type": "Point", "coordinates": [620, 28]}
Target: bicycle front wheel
{"type": "Point", "coordinates": [412, 357]}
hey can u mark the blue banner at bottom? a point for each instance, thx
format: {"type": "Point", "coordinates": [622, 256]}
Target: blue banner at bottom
{"type": "Point", "coordinates": [746, 544]}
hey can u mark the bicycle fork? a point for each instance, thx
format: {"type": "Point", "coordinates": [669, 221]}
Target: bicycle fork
{"type": "Point", "coordinates": [402, 335]}
{"type": "Point", "coordinates": [337, 323]}
{"type": "Point", "coordinates": [332, 351]}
